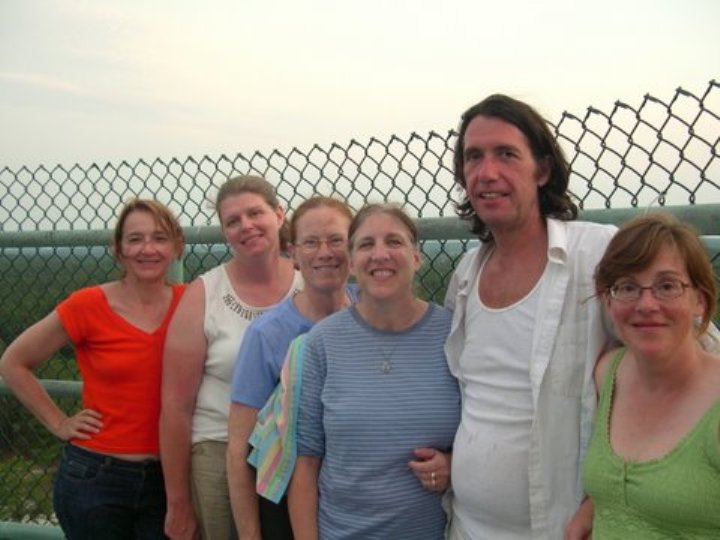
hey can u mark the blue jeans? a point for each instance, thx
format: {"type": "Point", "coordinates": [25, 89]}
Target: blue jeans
{"type": "Point", "coordinates": [98, 496]}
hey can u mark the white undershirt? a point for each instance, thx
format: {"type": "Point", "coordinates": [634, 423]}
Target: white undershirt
{"type": "Point", "coordinates": [490, 455]}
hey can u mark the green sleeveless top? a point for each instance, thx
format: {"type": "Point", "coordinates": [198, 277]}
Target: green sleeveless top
{"type": "Point", "coordinates": [676, 496]}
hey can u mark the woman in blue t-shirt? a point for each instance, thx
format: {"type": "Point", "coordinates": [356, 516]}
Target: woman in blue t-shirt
{"type": "Point", "coordinates": [378, 406]}
{"type": "Point", "coordinates": [318, 246]}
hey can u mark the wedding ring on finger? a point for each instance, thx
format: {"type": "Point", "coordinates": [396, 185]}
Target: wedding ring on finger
{"type": "Point", "coordinates": [432, 479]}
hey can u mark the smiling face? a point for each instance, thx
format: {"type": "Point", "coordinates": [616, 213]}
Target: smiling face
{"type": "Point", "coordinates": [501, 174]}
{"type": "Point", "coordinates": [652, 327]}
{"type": "Point", "coordinates": [384, 258]}
{"type": "Point", "coordinates": [250, 225]}
{"type": "Point", "coordinates": [146, 250]}
{"type": "Point", "coordinates": [320, 250]}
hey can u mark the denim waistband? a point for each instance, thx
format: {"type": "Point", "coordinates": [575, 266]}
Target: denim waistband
{"type": "Point", "coordinates": [74, 451]}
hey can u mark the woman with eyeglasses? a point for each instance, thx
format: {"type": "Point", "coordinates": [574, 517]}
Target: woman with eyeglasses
{"type": "Point", "coordinates": [378, 407]}
{"type": "Point", "coordinates": [653, 465]}
{"type": "Point", "coordinates": [318, 246]}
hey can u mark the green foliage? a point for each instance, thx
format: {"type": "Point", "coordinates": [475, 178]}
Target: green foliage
{"type": "Point", "coordinates": [28, 462]}
{"type": "Point", "coordinates": [33, 281]}
{"type": "Point", "coordinates": [200, 258]}
{"type": "Point", "coordinates": [26, 486]}
{"type": "Point", "coordinates": [439, 261]}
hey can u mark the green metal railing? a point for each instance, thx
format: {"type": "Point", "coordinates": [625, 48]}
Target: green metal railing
{"type": "Point", "coordinates": [10, 530]}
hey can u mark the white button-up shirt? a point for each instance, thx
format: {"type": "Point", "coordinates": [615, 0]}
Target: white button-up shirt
{"type": "Point", "coordinates": [570, 333]}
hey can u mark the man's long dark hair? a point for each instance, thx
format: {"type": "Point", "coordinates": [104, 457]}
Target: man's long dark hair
{"type": "Point", "coordinates": [554, 198]}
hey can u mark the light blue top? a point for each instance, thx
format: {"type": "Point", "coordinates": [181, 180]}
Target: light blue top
{"type": "Point", "coordinates": [263, 349]}
{"type": "Point", "coordinates": [368, 398]}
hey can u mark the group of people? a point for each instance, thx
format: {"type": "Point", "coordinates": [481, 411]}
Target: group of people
{"type": "Point", "coordinates": [569, 387]}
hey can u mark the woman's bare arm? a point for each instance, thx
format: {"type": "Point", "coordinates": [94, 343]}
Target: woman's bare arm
{"type": "Point", "coordinates": [303, 498]}
{"type": "Point", "coordinates": [183, 365]}
{"type": "Point", "coordinates": [33, 347]}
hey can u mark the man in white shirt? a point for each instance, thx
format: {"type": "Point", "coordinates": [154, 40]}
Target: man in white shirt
{"type": "Point", "coordinates": [526, 332]}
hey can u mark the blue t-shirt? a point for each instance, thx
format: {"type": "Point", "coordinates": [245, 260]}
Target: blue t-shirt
{"type": "Point", "coordinates": [368, 399]}
{"type": "Point", "coordinates": [263, 349]}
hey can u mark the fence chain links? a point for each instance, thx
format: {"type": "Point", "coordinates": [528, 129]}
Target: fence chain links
{"type": "Point", "coordinates": [656, 153]}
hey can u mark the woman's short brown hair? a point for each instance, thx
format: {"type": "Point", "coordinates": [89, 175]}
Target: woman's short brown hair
{"type": "Point", "coordinates": [163, 216]}
{"type": "Point", "coordinates": [639, 241]}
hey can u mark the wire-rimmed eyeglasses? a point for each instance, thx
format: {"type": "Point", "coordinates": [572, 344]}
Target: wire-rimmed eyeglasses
{"type": "Point", "coordinates": [666, 289]}
{"type": "Point", "coordinates": [311, 245]}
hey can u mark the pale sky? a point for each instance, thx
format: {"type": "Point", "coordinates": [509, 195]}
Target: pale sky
{"type": "Point", "coordinates": [97, 81]}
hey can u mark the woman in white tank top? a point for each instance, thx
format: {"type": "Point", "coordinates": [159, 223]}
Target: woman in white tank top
{"type": "Point", "coordinates": [202, 343]}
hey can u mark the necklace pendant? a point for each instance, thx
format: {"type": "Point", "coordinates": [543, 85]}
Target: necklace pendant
{"type": "Point", "coordinates": [387, 367]}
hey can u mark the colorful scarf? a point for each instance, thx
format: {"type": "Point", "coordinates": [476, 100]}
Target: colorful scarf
{"type": "Point", "coordinates": [274, 438]}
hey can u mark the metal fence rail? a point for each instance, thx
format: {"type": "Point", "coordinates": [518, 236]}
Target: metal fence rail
{"type": "Point", "coordinates": [54, 221]}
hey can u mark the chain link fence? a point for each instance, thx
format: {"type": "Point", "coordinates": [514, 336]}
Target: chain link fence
{"type": "Point", "coordinates": [658, 152]}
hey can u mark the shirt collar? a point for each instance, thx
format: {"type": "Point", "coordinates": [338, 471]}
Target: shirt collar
{"type": "Point", "coordinates": [557, 241]}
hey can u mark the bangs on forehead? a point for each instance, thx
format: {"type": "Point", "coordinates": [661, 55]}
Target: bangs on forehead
{"type": "Point", "coordinates": [389, 209]}
{"type": "Point", "coordinates": [314, 203]}
{"type": "Point", "coordinates": [162, 216]}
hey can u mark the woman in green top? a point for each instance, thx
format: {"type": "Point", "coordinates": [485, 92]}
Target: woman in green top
{"type": "Point", "coordinates": [653, 465]}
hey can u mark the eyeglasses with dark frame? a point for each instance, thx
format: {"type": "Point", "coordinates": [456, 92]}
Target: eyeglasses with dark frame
{"type": "Point", "coordinates": [311, 245]}
{"type": "Point", "coordinates": [666, 289]}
